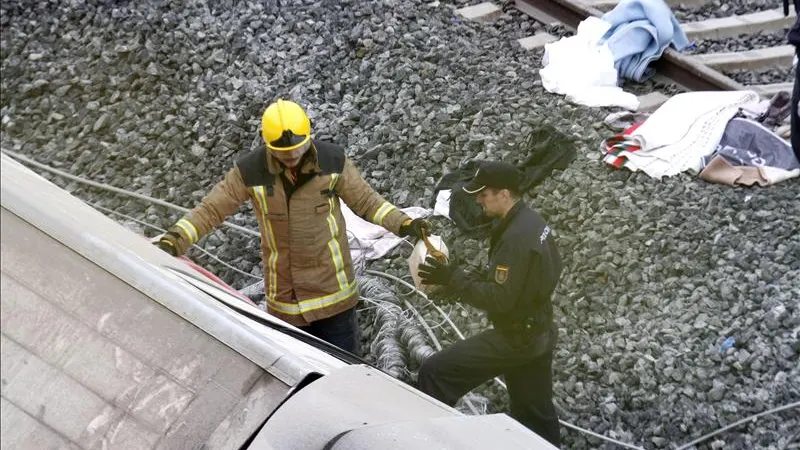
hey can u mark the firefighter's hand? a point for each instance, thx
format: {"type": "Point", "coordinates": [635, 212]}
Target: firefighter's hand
{"type": "Point", "coordinates": [168, 243]}
{"type": "Point", "coordinates": [415, 228]}
{"type": "Point", "coordinates": [433, 271]}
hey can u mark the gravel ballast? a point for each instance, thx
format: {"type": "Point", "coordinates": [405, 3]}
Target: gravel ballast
{"type": "Point", "coordinates": [741, 43]}
{"type": "Point", "coordinates": [762, 76]}
{"type": "Point", "coordinates": [160, 97]}
{"type": "Point", "coordinates": [722, 8]}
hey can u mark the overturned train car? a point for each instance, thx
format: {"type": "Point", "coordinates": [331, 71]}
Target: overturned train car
{"type": "Point", "coordinates": [108, 342]}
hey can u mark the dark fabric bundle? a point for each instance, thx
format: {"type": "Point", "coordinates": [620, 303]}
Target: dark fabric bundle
{"type": "Point", "coordinates": [467, 215]}
{"type": "Point", "coordinates": [547, 149]}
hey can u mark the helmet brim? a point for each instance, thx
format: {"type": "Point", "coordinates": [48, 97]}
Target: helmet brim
{"type": "Point", "coordinates": [303, 142]}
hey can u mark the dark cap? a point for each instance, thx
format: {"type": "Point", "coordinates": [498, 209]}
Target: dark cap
{"type": "Point", "coordinates": [494, 174]}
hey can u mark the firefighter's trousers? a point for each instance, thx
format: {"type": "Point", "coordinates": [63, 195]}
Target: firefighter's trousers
{"type": "Point", "coordinates": [340, 330]}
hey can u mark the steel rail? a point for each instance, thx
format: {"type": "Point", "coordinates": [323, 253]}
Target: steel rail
{"type": "Point", "coordinates": [682, 70]}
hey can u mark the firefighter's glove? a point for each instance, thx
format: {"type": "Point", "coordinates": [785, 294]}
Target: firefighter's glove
{"type": "Point", "coordinates": [433, 271]}
{"type": "Point", "coordinates": [168, 243]}
{"type": "Point", "coordinates": [415, 228]}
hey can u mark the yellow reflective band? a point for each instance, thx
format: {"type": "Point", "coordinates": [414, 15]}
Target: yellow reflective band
{"type": "Point", "coordinates": [381, 213]}
{"type": "Point", "coordinates": [333, 243]}
{"type": "Point", "coordinates": [188, 229]}
{"type": "Point", "coordinates": [314, 303]}
{"type": "Point", "coordinates": [272, 261]}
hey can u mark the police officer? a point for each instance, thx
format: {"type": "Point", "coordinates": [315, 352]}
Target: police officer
{"type": "Point", "coordinates": [524, 268]}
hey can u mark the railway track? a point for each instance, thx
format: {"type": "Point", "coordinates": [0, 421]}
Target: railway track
{"type": "Point", "coordinates": [694, 69]}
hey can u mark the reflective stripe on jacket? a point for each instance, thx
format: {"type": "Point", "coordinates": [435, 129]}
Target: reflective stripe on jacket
{"type": "Point", "coordinates": [308, 270]}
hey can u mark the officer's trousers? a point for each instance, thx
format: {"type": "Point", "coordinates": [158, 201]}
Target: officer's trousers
{"type": "Point", "coordinates": [525, 362]}
{"type": "Point", "coordinates": [340, 330]}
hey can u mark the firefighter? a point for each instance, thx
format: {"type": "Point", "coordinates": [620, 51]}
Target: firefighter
{"type": "Point", "coordinates": [295, 184]}
{"type": "Point", "coordinates": [524, 268]}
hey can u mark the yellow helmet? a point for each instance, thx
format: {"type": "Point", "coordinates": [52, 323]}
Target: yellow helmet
{"type": "Point", "coordinates": [285, 126]}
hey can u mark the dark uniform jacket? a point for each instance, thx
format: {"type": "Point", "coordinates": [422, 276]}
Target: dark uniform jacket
{"type": "Point", "coordinates": [524, 269]}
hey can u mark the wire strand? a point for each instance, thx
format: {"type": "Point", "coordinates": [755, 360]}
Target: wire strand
{"type": "Point", "coordinates": [157, 228]}
{"type": "Point", "coordinates": [117, 190]}
{"type": "Point", "coordinates": [737, 423]}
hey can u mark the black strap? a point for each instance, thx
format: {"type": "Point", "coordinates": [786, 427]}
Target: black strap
{"type": "Point", "coordinates": [330, 157]}
{"type": "Point", "coordinates": [253, 167]}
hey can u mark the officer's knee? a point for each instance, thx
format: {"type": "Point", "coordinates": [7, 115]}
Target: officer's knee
{"type": "Point", "coordinates": [427, 369]}
{"type": "Point", "coordinates": [433, 379]}
{"type": "Point", "coordinates": [424, 372]}
{"type": "Point", "coordinates": [427, 379]}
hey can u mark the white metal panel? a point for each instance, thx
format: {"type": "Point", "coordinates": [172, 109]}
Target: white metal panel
{"type": "Point", "coordinates": [445, 433]}
{"type": "Point", "coordinates": [358, 407]}
{"type": "Point", "coordinates": [345, 399]}
{"type": "Point", "coordinates": [98, 364]}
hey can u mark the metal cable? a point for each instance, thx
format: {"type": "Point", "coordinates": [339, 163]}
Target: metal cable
{"type": "Point", "coordinates": [117, 190]}
{"type": "Point", "coordinates": [157, 228]}
{"type": "Point", "coordinates": [386, 348]}
{"type": "Point", "coordinates": [421, 294]}
{"type": "Point", "coordinates": [367, 286]}
{"type": "Point", "coordinates": [737, 423]}
{"type": "Point", "coordinates": [599, 436]}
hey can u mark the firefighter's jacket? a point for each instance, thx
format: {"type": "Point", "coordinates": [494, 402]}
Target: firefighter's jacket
{"type": "Point", "coordinates": [308, 270]}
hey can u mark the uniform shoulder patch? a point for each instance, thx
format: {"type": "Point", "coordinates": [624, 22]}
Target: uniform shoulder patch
{"type": "Point", "coordinates": [545, 233]}
{"type": "Point", "coordinates": [500, 274]}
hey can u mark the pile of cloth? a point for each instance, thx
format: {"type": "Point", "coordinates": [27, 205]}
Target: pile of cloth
{"type": "Point", "coordinates": [543, 150]}
{"type": "Point", "coordinates": [586, 67]}
{"type": "Point", "coordinates": [368, 241]}
{"type": "Point", "coordinates": [724, 137]}
{"type": "Point", "coordinates": [546, 149]}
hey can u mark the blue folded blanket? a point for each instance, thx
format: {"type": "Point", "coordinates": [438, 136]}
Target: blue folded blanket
{"type": "Point", "coordinates": [640, 32]}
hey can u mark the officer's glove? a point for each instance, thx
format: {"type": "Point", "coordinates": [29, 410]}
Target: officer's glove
{"type": "Point", "coordinates": [415, 228]}
{"type": "Point", "coordinates": [168, 242]}
{"type": "Point", "coordinates": [433, 271]}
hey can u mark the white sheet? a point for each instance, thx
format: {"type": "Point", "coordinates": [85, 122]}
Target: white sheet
{"type": "Point", "coordinates": [583, 70]}
{"type": "Point", "coordinates": [687, 127]}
